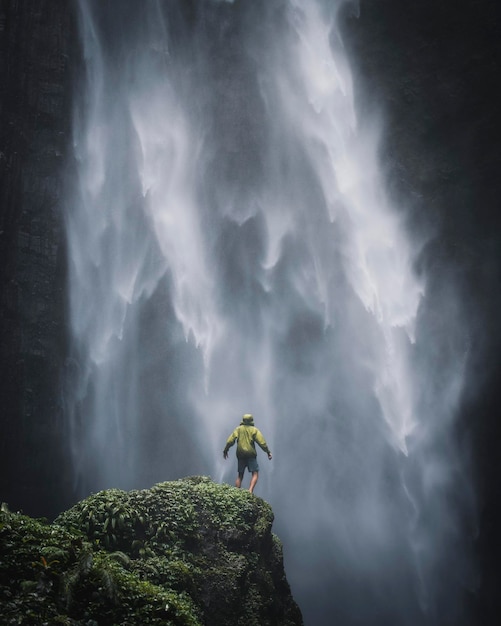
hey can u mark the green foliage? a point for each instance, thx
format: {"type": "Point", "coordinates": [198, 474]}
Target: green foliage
{"type": "Point", "coordinates": [181, 553]}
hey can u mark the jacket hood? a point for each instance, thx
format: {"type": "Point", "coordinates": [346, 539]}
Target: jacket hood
{"type": "Point", "coordinates": [248, 420]}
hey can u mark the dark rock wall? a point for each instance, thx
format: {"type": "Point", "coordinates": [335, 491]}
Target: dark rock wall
{"type": "Point", "coordinates": [35, 106]}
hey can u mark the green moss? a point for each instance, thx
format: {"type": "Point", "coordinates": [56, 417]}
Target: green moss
{"type": "Point", "coordinates": [186, 552]}
{"type": "Point", "coordinates": [82, 583]}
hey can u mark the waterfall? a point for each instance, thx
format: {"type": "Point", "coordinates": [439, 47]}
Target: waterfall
{"type": "Point", "coordinates": [233, 249]}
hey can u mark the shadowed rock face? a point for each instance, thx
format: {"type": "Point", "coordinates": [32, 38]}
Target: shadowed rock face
{"type": "Point", "coordinates": [187, 552]}
{"type": "Point", "coordinates": [35, 93]}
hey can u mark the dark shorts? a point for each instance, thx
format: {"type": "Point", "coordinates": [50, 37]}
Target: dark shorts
{"type": "Point", "coordinates": [250, 463]}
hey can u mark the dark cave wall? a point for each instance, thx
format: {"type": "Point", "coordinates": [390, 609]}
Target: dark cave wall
{"type": "Point", "coordinates": [35, 105]}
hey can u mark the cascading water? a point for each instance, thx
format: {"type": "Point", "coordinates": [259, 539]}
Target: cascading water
{"type": "Point", "coordinates": [232, 250]}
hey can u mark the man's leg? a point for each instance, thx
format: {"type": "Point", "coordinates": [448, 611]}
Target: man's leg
{"type": "Point", "coordinates": [238, 482]}
{"type": "Point", "coordinates": [255, 476]}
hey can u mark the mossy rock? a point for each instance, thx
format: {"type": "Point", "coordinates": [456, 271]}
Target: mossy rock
{"type": "Point", "coordinates": [186, 552]}
{"type": "Point", "coordinates": [49, 575]}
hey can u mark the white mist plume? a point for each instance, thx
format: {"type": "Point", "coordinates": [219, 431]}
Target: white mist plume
{"type": "Point", "coordinates": [233, 249]}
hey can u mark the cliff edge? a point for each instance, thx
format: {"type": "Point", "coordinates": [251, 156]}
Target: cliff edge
{"type": "Point", "coordinates": [188, 552]}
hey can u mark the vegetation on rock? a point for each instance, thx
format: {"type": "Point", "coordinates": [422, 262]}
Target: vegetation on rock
{"type": "Point", "coordinates": [185, 553]}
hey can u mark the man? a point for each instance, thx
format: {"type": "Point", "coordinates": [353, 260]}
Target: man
{"type": "Point", "coordinates": [247, 436]}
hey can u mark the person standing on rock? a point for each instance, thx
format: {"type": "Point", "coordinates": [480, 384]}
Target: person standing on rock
{"type": "Point", "coordinates": [247, 436]}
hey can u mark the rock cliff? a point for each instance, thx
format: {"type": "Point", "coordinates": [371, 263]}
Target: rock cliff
{"type": "Point", "coordinates": [187, 552]}
{"type": "Point", "coordinates": [37, 40]}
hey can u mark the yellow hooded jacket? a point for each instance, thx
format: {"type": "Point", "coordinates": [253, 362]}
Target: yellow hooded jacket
{"type": "Point", "coordinates": [247, 435]}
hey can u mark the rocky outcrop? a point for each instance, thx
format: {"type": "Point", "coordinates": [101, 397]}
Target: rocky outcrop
{"type": "Point", "coordinates": [188, 552]}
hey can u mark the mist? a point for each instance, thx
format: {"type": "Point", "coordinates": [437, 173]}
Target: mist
{"type": "Point", "coordinates": [233, 248]}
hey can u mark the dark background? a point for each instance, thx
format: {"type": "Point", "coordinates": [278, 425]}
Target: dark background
{"type": "Point", "coordinates": [429, 68]}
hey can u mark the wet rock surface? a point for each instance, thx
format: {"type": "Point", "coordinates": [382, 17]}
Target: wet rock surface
{"type": "Point", "coordinates": [35, 105]}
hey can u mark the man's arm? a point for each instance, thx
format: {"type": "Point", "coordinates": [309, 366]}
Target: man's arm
{"type": "Point", "coordinates": [260, 440]}
{"type": "Point", "coordinates": [230, 441]}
